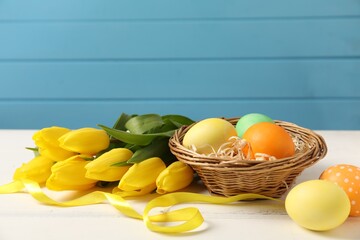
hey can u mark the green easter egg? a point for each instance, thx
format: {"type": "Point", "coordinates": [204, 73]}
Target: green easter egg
{"type": "Point", "coordinates": [250, 119]}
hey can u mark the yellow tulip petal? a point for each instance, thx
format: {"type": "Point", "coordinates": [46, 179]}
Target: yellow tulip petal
{"type": "Point", "coordinates": [143, 191]}
{"type": "Point", "coordinates": [69, 175]}
{"type": "Point", "coordinates": [85, 140]}
{"type": "Point", "coordinates": [55, 153]}
{"type": "Point", "coordinates": [109, 158]}
{"type": "Point", "coordinates": [175, 177]}
{"type": "Point", "coordinates": [49, 136]}
{"type": "Point", "coordinates": [102, 167]}
{"type": "Point", "coordinates": [111, 174]}
{"type": "Point", "coordinates": [142, 174]}
{"type": "Point", "coordinates": [38, 169]}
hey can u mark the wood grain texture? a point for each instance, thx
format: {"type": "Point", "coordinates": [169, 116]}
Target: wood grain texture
{"type": "Point", "coordinates": [233, 79]}
{"type": "Point", "coordinates": [309, 113]}
{"type": "Point", "coordinates": [172, 9]}
{"type": "Point", "coordinates": [80, 62]}
{"type": "Point", "coordinates": [237, 39]}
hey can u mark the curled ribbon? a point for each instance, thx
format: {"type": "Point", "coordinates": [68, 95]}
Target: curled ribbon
{"type": "Point", "coordinates": [190, 217]}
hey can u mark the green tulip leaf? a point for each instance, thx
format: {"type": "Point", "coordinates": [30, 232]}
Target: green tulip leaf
{"type": "Point", "coordinates": [171, 122]}
{"type": "Point", "coordinates": [178, 120]}
{"type": "Point", "coordinates": [121, 121]}
{"type": "Point", "coordinates": [146, 135]}
{"type": "Point", "coordinates": [167, 126]}
{"type": "Point", "coordinates": [158, 148]}
{"type": "Point", "coordinates": [121, 164]}
{"type": "Point", "coordinates": [132, 138]}
{"type": "Point", "coordinates": [143, 123]}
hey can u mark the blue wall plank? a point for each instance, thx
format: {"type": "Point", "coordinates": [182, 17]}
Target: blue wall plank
{"type": "Point", "coordinates": [232, 79]}
{"type": "Point", "coordinates": [314, 114]}
{"type": "Point", "coordinates": [181, 40]}
{"type": "Point", "coordinates": [82, 62]}
{"type": "Point", "coordinates": [173, 9]}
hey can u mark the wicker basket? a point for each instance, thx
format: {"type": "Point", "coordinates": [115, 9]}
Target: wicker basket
{"type": "Point", "coordinates": [270, 178]}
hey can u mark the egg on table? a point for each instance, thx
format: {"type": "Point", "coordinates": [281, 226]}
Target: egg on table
{"type": "Point", "coordinates": [348, 178]}
{"type": "Point", "coordinates": [317, 205]}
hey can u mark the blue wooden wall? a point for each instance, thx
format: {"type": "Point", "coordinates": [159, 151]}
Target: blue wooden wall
{"type": "Point", "coordinates": [78, 63]}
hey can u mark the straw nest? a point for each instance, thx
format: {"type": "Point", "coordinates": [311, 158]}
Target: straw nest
{"type": "Point", "coordinates": [228, 176]}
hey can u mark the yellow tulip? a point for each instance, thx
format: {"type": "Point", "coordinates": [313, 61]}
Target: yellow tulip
{"type": "Point", "coordinates": [85, 141]}
{"type": "Point", "coordinates": [141, 192]}
{"type": "Point", "coordinates": [47, 141]}
{"type": "Point", "coordinates": [141, 177]}
{"type": "Point", "coordinates": [49, 136]}
{"type": "Point", "coordinates": [69, 175]}
{"type": "Point", "coordinates": [38, 169]}
{"type": "Point", "coordinates": [101, 168]}
{"type": "Point", "coordinates": [56, 153]}
{"type": "Point", "coordinates": [176, 176]}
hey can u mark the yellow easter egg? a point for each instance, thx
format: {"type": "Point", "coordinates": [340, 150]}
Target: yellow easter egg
{"type": "Point", "coordinates": [208, 135]}
{"type": "Point", "coordinates": [318, 205]}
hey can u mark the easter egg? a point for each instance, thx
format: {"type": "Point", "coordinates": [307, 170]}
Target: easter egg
{"type": "Point", "coordinates": [348, 178]}
{"type": "Point", "coordinates": [270, 139]}
{"type": "Point", "coordinates": [208, 135]}
{"type": "Point", "coordinates": [317, 205]}
{"type": "Point", "coordinates": [248, 120]}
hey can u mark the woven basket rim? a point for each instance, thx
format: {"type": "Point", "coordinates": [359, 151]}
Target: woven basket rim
{"type": "Point", "coordinates": [317, 149]}
{"type": "Point", "coordinates": [268, 177]}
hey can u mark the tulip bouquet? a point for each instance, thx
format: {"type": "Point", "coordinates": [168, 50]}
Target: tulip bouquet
{"type": "Point", "coordinates": [133, 154]}
{"type": "Point", "coordinates": [133, 157]}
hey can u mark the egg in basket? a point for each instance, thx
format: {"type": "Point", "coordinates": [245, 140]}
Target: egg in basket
{"type": "Point", "coordinates": [263, 158]}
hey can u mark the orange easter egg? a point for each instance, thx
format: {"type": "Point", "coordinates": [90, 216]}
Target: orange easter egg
{"type": "Point", "coordinates": [348, 178]}
{"type": "Point", "coordinates": [271, 139]}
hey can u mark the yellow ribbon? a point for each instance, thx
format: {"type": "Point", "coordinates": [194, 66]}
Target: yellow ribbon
{"type": "Point", "coordinates": [190, 217]}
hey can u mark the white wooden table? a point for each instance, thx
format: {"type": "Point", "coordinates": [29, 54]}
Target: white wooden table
{"type": "Point", "coordinates": [22, 217]}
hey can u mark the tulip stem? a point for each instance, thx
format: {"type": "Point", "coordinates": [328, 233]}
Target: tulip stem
{"type": "Point", "coordinates": [35, 150]}
{"type": "Point", "coordinates": [104, 184]}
